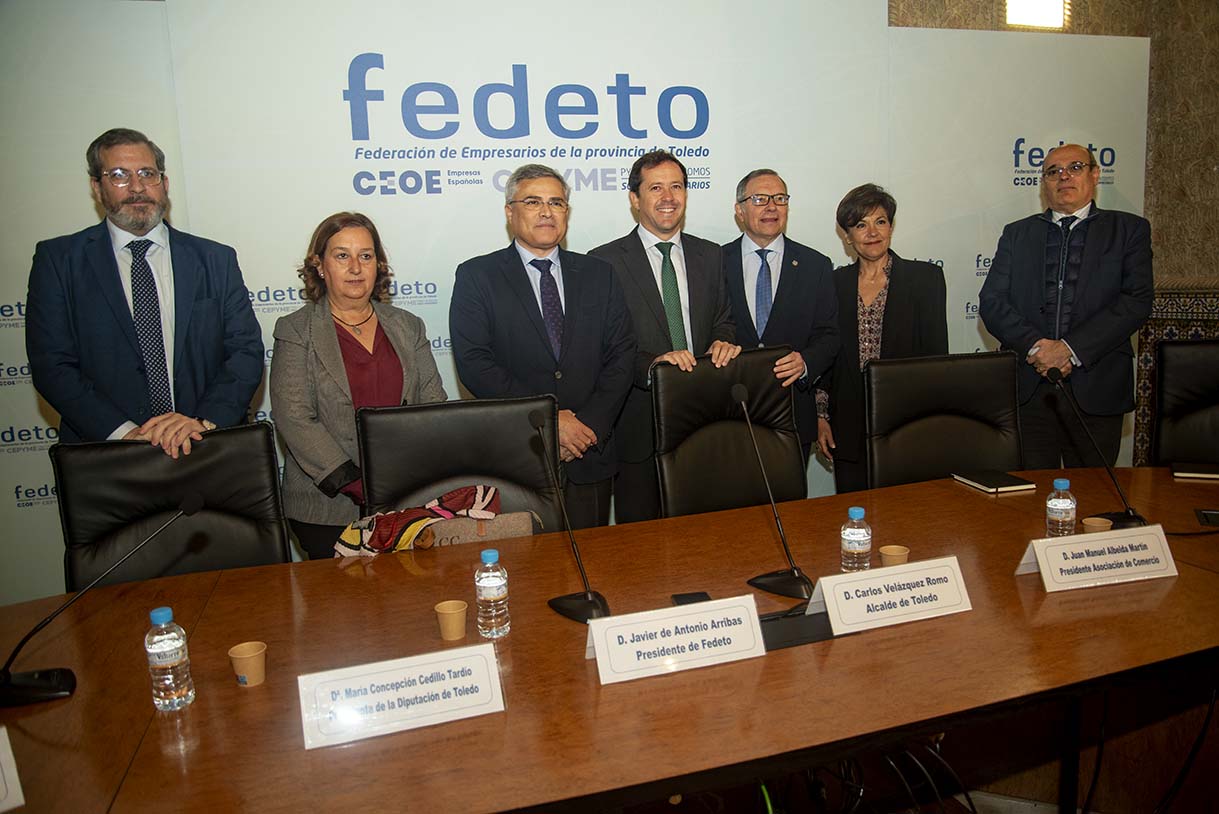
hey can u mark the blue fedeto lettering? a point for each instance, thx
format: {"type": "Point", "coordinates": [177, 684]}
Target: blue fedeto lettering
{"type": "Point", "coordinates": [1035, 156]}
{"type": "Point", "coordinates": [432, 110]}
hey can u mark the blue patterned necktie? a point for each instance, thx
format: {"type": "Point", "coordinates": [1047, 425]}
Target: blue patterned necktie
{"type": "Point", "coordinates": [671, 296]}
{"type": "Point", "coordinates": [146, 313]}
{"type": "Point", "coordinates": [764, 293]}
{"type": "Point", "coordinates": [552, 306]}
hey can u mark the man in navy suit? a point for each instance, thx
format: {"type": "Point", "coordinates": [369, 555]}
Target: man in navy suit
{"type": "Point", "coordinates": [1066, 290]}
{"type": "Point", "coordinates": [534, 318]}
{"type": "Point", "coordinates": [135, 330]}
{"type": "Point", "coordinates": [782, 294]}
{"type": "Point", "coordinates": [674, 288]}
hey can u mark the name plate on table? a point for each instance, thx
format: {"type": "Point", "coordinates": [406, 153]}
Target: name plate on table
{"type": "Point", "coordinates": [353, 703]}
{"type": "Point", "coordinates": [862, 600]}
{"type": "Point", "coordinates": [637, 645]}
{"type": "Point", "coordinates": [1102, 558]}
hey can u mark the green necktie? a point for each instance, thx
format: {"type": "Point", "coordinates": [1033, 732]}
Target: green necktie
{"type": "Point", "coordinates": [671, 297]}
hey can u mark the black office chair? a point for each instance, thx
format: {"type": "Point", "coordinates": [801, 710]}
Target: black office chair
{"type": "Point", "coordinates": [930, 416]}
{"type": "Point", "coordinates": [1186, 426]}
{"type": "Point", "coordinates": [413, 454]}
{"type": "Point", "coordinates": [704, 456]}
{"type": "Point", "coordinates": [113, 494]}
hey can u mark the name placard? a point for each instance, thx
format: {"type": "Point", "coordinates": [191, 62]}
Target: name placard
{"type": "Point", "coordinates": [862, 600]}
{"type": "Point", "coordinates": [353, 703]}
{"type": "Point", "coordinates": [1103, 558]}
{"type": "Point", "coordinates": [637, 645]}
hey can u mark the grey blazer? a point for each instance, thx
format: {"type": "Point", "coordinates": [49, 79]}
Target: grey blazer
{"type": "Point", "coordinates": [312, 408]}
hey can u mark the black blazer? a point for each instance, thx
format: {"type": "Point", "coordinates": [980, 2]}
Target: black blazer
{"type": "Point", "coordinates": [1112, 299]}
{"type": "Point", "coordinates": [916, 324]}
{"type": "Point", "coordinates": [710, 319]}
{"type": "Point", "coordinates": [804, 315]}
{"type": "Point", "coordinates": [502, 350]}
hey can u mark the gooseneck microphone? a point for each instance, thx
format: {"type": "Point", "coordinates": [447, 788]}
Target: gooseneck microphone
{"type": "Point", "coordinates": [1121, 520]}
{"type": "Point", "coordinates": [791, 582]}
{"type": "Point", "coordinates": [578, 606]}
{"type": "Point", "coordinates": [35, 686]}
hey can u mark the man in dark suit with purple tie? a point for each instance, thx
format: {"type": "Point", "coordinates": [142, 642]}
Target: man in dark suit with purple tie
{"type": "Point", "coordinates": [782, 293]}
{"type": "Point", "coordinates": [534, 318]}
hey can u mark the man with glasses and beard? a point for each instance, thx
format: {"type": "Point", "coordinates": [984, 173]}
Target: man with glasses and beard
{"type": "Point", "coordinates": [135, 330]}
{"type": "Point", "coordinates": [1066, 290]}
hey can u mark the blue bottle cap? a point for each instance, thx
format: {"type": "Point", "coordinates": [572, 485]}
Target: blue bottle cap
{"type": "Point", "coordinates": [161, 616]}
{"type": "Point", "coordinates": [490, 555]}
{"type": "Point", "coordinates": [855, 512]}
{"type": "Point", "coordinates": [1061, 484]}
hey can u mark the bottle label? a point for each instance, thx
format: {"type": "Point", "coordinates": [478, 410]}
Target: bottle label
{"type": "Point", "coordinates": [856, 541]}
{"type": "Point", "coordinates": [491, 593]}
{"type": "Point", "coordinates": [166, 658]}
{"type": "Point", "coordinates": [1058, 508]}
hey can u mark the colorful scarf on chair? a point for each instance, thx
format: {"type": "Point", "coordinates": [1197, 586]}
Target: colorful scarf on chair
{"type": "Point", "coordinates": [397, 531]}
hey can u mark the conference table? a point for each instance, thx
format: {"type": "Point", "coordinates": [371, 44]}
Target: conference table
{"type": "Point", "coordinates": [562, 735]}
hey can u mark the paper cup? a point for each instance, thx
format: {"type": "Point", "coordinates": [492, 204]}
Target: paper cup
{"type": "Point", "coordinates": [249, 663]}
{"type": "Point", "coordinates": [452, 617]}
{"type": "Point", "coordinates": [894, 554]}
{"type": "Point", "coordinates": [1095, 524]}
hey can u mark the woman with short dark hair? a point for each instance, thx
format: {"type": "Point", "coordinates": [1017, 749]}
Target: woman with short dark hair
{"type": "Point", "coordinates": [888, 308]}
{"type": "Point", "coordinates": [348, 348]}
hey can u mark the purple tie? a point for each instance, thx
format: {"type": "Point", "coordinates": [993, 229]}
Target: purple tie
{"type": "Point", "coordinates": [552, 306]}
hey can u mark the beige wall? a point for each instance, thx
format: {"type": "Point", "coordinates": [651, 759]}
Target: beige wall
{"type": "Point", "coordinates": [1182, 188]}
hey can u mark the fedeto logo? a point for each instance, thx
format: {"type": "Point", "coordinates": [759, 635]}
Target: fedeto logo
{"type": "Point", "coordinates": [12, 314]}
{"type": "Point", "coordinates": [25, 497]}
{"type": "Point", "coordinates": [14, 373]}
{"type": "Point", "coordinates": [432, 110]}
{"type": "Point", "coordinates": [23, 439]}
{"type": "Point", "coordinates": [1027, 162]}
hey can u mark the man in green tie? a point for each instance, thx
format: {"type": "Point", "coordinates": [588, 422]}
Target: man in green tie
{"type": "Point", "coordinates": [675, 290]}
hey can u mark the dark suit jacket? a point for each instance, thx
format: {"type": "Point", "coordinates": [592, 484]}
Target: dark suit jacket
{"type": "Point", "coordinates": [502, 349]}
{"type": "Point", "coordinates": [1112, 299]}
{"type": "Point", "coordinates": [313, 410]}
{"type": "Point", "coordinates": [83, 352]}
{"type": "Point", "coordinates": [804, 315]}
{"type": "Point", "coordinates": [916, 324]}
{"type": "Point", "coordinates": [710, 318]}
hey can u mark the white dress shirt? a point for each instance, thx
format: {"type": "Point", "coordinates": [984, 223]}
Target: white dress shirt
{"type": "Point", "coordinates": [535, 275]}
{"type": "Point", "coordinates": [655, 257]}
{"type": "Point", "coordinates": [751, 267]}
{"type": "Point", "coordinates": [159, 261]}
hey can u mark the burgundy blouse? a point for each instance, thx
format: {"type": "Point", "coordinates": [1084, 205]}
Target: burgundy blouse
{"type": "Point", "coordinates": [375, 380]}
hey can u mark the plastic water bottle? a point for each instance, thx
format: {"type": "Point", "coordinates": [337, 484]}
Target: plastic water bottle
{"type": "Point", "coordinates": [491, 588]}
{"type": "Point", "coordinates": [1060, 510]}
{"type": "Point", "coordinates": [168, 662]}
{"type": "Point", "coordinates": [856, 541]}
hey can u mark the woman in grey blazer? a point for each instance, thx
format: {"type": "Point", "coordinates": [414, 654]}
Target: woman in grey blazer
{"type": "Point", "coordinates": [348, 348]}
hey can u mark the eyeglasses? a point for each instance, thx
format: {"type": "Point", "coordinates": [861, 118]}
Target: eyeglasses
{"type": "Point", "coordinates": [535, 204]}
{"type": "Point", "coordinates": [764, 200]}
{"type": "Point", "coordinates": [120, 177]}
{"type": "Point", "coordinates": [1073, 169]}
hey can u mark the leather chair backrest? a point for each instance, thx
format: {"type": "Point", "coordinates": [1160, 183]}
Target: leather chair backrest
{"type": "Point", "coordinates": [113, 494]}
{"type": "Point", "coordinates": [416, 453]}
{"type": "Point", "coordinates": [704, 456]}
{"type": "Point", "coordinates": [1186, 428]}
{"type": "Point", "coordinates": [930, 416]}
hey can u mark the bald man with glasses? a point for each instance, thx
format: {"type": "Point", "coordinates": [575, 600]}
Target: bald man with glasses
{"type": "Point", "coordinates": [1066, 290]}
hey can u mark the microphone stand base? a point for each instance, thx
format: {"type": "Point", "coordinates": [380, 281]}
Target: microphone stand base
{"type": "Point", "coordinates": [791, 583]}
{"type": "Point", "coordinates": [1123, 520]}
{"type": "Point", "coordinates": [581, 606]}
{"type": "Point", "coordinates": [37, 686]}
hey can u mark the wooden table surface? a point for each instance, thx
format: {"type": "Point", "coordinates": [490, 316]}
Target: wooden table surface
{"type": "Point", "coordinates": [563, 735]}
